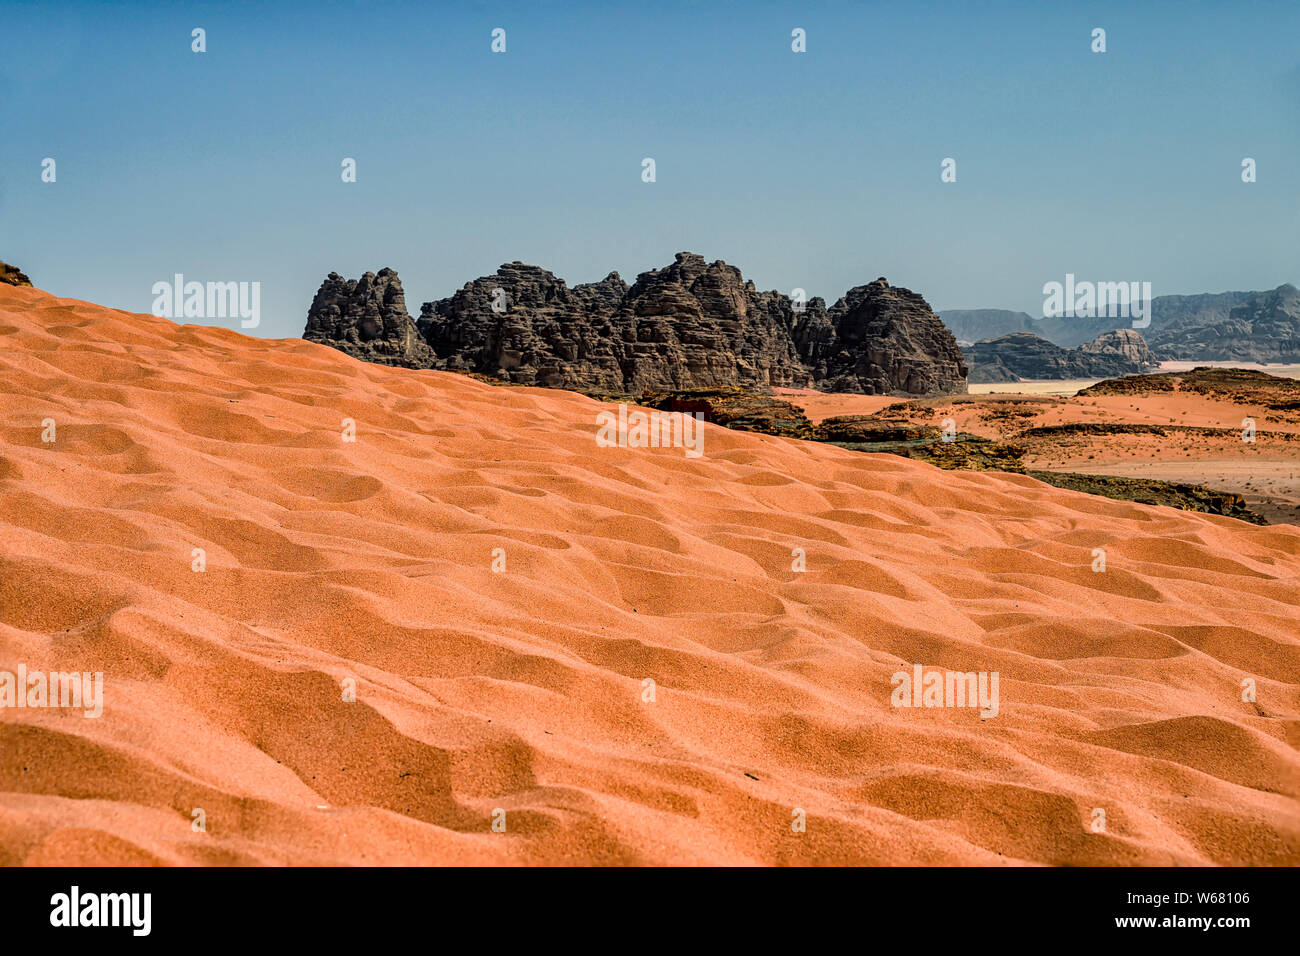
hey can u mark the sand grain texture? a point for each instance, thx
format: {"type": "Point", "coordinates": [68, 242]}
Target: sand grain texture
{"type": "Point", "coordinates": [522, 690]}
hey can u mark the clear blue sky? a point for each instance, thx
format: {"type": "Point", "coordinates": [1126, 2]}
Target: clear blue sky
{"type": "Point", "coordinates": [818, 170]}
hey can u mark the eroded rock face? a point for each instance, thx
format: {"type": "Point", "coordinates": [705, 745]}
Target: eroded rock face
{"type": "Point", "coordinates": [881, 340]}
{"type": "Point", "coordinates": [699, 325]}
{"type": "Point", "coordinates": [1024, 355]}
{"type": "Point", "coordinates": [691, 325]}
{"type": "Point", "coordinates": [12, 275]}
{"type": "Point", "coordinates": [1124, 345]}
{"type": "Point", "coordinates": [367, 318]}
{"type": "Point", "coordinates": [540, 332]}
{"type": "Point", "coordinates": [1262, 327]}
{"type": "Point", "coordinates": [743, 409]}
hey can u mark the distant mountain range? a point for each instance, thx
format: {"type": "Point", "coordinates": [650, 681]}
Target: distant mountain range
{"type": "Point", "coordinates": [1214, 327]}
{"type": "Point", "coordinates": [1024, 355]}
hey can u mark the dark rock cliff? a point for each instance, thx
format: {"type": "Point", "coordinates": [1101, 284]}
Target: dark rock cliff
{"type": "Point", "coordinates": [12, 275]}
{"type": "Point", "coordinates": [367, 318]}
{"type": "Point", "coordinates": [692, 324]}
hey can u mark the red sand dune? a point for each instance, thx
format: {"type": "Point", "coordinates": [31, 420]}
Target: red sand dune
{"type": "Point", "coordinates": [523, 690]}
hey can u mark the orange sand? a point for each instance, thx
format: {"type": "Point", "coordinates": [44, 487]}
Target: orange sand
{"type": "Point", "coordinates": [819, 406]}
{"type": "Point", "coordinates": [523, 690]}
{"type": "Point", "coordinates": [1266, 472]}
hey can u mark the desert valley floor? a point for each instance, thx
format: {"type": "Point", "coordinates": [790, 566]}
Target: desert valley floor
{"type": "Point", "coordinates": [1194, 437]}
{"type": "Point", "coordinates": [370, 564]}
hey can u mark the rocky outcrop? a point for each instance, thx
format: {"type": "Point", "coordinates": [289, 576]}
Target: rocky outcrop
{"type": "Point", "coordinates": [1023, 355]}
{"type": "Point", "coordinates": [691, 325]}
{"type": "Point", "coordinates": [880, 340]}
{"type": "Point", "coordinates": [367, 318]}
{"type": "Point", "coordinates": [1149, 491]}
{"type": "Point", "coordinates": [1238, 386]}
{"type": "Point", "coordinates": [703, 326]}
{"type": "Point", "coordinates": [12, 275]}
{"type": "Point", "coordinates": [524, 325]}
{"type": "Point", "coordinates": [1123, 345]}
{"type": "Point", "coordinates": [744, 410]}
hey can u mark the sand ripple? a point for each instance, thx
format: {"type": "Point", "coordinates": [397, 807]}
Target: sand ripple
{"type": "Point", "coordinates": [522, 689]}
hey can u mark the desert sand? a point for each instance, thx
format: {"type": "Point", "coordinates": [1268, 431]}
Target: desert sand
{"type": "Point", "coordinates": [523, 689]}
{"type": "Point", "coordinates": [1060, 386]}
{"type": "Point", "coordinates": [1266, 472]}
{"type": "Point", "coordinates": [1073, 385]}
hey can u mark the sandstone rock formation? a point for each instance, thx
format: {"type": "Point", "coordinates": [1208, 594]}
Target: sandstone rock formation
{"type": "Point", "coordinates": [691, 325]}
{"type": "Point", "coordinates": [1024, 355]}
{"type": "Point", "coordinates": [1262, 327]}
{"type": "Point", "coordinates": [704, 325]}
{"type": "Point", "coordinates": [744, 410]}
{"type": "Point", "coordinates": [1238, 386]}
{"type": "Point", "coordinates": [525, 325]}
{"type": "Point", "coordinates": [1124, 344]}
{"type": "Point", "coordinates": [879, 340]}
{"type": "Point", "coordinates": [12, 275]}
{"type": "Point", "coordinates": [367, 318]}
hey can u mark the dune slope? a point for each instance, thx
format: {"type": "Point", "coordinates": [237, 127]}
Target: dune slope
{"type": "Point", "coordinates": [500, 592]}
